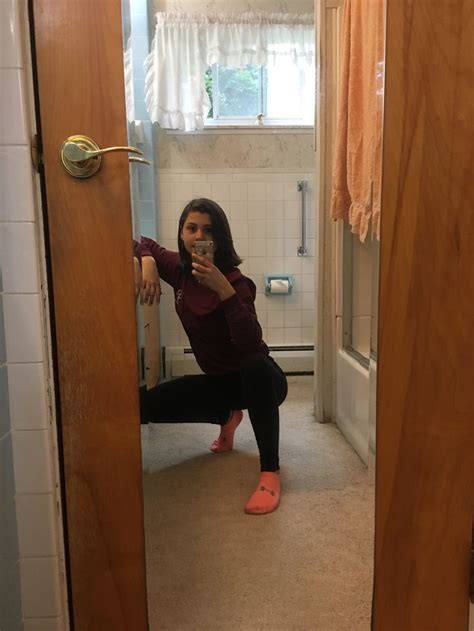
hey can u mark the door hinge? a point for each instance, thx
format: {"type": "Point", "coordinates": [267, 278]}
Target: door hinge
{"type": "Point", "coordinates": [36, 153]}
{"type": "Point", "coordinates": [471, 584]}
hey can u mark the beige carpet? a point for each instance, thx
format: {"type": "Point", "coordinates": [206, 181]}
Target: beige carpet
{"type": "Point", "coordinates": [307, 566]}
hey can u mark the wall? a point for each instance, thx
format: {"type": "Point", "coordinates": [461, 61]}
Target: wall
{"type": "Point", "coordinates": [142, 176]}
{"type": "Point", "coordinates": [253, 174]}
{"type": "Point", "coordinates": [292, 149]}
{"type": "Point", "coordinates": [264, 211]}
{"type": "Point", "coordinates": [237, 6]}
{"type": "Point", "coordinates": [31, 596]}
{"type": "Point", "coordinates": [10, 597]}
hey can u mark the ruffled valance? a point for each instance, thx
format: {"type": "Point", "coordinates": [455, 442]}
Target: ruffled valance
{"type": "Point", "coordinates": [185, 45]}
{"type": "Point", "coordinates": [129, 93]}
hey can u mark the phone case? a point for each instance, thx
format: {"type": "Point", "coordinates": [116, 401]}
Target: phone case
{"type": "Point", "coordinates": [205, 249]}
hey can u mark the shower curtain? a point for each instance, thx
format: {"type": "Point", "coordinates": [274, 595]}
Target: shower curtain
{"type": "Point", "coordinates": [358, 154]}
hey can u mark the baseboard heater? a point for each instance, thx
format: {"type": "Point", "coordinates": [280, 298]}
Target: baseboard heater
{"type": "Point", "coordinates": [294, 360]}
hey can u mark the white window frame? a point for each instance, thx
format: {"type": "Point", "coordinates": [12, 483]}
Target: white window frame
{"type": "Point", "coordinates": [249, 121]}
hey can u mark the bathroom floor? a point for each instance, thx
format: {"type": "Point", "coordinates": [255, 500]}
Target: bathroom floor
{"type": "Point", "coordinates": [307, 566]}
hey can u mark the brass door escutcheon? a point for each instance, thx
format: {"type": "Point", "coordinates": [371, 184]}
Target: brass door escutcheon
{"type": "Point", "coordinates": [82, 157]}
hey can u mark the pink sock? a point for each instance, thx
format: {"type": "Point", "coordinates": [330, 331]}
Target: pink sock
{"type": "Point", "coordinates": [225, 442]}
{"type": "Point", "coordinates": [267, 496]}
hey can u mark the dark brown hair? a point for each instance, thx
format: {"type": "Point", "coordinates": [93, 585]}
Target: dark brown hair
{"type": "Point", "coordinates": [225, 256]}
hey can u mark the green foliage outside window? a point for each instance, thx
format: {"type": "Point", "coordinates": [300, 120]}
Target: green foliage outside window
{"type": "Point", "coordinates": [238, 91]}
{"type": "Point", "coordinates": [208, 84]}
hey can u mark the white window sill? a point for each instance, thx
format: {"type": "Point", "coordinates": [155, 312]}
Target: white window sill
{"type": "Point", "coordinates": [244, 129]}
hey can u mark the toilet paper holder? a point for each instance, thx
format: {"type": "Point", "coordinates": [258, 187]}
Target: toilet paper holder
{"type": "Point", "coordinates": [285, 277]}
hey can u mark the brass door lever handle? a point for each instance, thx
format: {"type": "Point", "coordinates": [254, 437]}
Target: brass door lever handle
{"type": "Point", "coordinates": [82, 157]}
{"type": "Point", "coordinates": [76, 153]}
{"type": "Point", "coordinates": [140, 160]}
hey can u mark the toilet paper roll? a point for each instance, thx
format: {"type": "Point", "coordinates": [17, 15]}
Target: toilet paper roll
{"type": "Point", "coordinates": [279, 286]}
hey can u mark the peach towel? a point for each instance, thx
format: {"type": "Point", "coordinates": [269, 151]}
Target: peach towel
{"type": "Point", "coordinates": [358, 152]}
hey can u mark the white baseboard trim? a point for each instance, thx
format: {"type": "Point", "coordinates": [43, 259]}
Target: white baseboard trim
{"type": "Point", "coordinates": [293, 359]}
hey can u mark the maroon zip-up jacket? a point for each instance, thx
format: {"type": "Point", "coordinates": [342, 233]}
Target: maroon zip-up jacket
{"type": "Point", "coordinates": [221, 333]}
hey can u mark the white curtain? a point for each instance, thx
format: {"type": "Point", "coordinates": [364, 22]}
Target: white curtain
{"type": "Point", "coordinates": [184, 46]}
{"type": "Point", "coordinates": [129, 94]}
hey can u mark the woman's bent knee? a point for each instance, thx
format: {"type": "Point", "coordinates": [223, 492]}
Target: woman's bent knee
{"type": "Point", "coordinates": [260, 369]}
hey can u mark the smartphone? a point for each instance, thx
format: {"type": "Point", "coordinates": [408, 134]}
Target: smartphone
{"type": "Point", "coordinates": [205, 249]}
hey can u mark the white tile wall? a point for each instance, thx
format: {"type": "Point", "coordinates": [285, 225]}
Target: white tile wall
{"type": "Point", "coordinates": [35, 525]}
{"type": "Point", "coordinates": [23, 327]}
{"type": "Point", "coordinates": [10, 45]}
{"type": "Point", "coordinates": [45, 624]}
{"type": "Point", "coordinates": [32, 461]}
{"type": "Point", "coordinates": [42, 592]}
{"type": "Point", "coordinates": [40, 587]}
{"type": "Point", "coordinates": [16, 201]}
{"type": "Point", "coordinates": [264, 211]}
{"type": "Point", "coordinates": [20, 270]}
{"type": "Point", "coordinates": [13, 128]}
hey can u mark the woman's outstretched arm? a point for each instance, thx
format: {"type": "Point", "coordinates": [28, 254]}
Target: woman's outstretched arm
{"type": "Point", "coordinates": [157, 262]}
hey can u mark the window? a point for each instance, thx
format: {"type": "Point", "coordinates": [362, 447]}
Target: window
{"type": "Point", "coordinates": [283, 93]}
{"type": "Point", "coordinates": [280, 77]}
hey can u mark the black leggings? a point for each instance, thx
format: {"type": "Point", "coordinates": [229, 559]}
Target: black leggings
{"type": "Point", "coordinates": [259, 386]}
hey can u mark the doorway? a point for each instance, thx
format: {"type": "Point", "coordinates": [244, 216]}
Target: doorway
{"type": "Point", "coordinates": [380, 479]}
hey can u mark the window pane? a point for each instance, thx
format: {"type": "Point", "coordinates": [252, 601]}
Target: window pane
{"type": "Point", "coordinates": [239, 91]}
{"type": "Point", "coordinates": [290, 92]}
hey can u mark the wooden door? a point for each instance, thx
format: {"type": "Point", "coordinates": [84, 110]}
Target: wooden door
{"type": "Point", "coordinates": [80, 90]}
{"type": "Point", "coordinates": [425, 404]}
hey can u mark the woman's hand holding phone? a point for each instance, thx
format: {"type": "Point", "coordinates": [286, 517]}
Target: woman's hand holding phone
{"type": "Point", "coordinates": [204, 249]}
{"type": "Point", "coordinates": [207, 274]}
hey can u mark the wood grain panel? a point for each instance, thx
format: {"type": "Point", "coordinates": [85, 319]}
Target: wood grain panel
{"type": "Point", "coordinates": [425, 405]}
{"type": "Point", "coordinates": [80, 86]}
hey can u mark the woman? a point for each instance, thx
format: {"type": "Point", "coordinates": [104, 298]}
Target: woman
{"type": "Point", "coordinates": [215, 303]}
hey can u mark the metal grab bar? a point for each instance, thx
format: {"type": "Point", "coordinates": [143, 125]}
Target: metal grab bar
{"type": "Point", "coordinates": [302, 186]}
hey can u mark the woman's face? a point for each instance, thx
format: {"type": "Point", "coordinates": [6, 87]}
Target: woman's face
{"type": "Point", "coordinates": [197, 227]}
